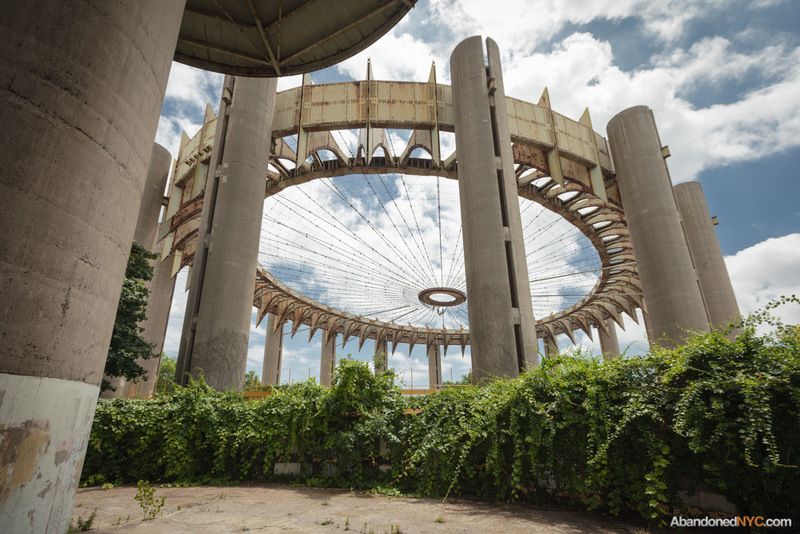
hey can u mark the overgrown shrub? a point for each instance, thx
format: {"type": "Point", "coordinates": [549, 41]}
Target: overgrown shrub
{"type": "Point", "coordinates": [623, 436]}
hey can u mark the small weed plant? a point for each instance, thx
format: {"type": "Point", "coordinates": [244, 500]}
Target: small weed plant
{"type": "Point", "coordinates": [146, 497]}
{"type": "Point", "coordinates": [83, 525]}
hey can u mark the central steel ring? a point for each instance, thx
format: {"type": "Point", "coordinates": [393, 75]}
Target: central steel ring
{"type": "Point", "coordinates": [447, 296]}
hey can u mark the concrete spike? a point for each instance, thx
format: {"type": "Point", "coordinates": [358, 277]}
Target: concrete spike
{"type": "Point", "coordinates": [184, 140]}
{"type": "Point", "coordinates": [586, 118]}
{"type": "Point", "coordinates": [362, 336]}
{"type": "Point", "coordinates": [208, 115]}
{"type": "Point", "coordinates": [544, 100]}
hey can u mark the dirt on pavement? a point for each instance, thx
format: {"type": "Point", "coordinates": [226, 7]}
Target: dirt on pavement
{"type": "Point", "coordinates": [284, 508]}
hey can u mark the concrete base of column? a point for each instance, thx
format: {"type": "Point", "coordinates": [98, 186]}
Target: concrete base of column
{"type": "Point", "coordinates": [434, 367]}
{"type": "Point", "coordinates": [609, 345]}
{"type": "Point", "coordinates": [327, 362]}
{"type": "Point", "coordinates": [46, 424]}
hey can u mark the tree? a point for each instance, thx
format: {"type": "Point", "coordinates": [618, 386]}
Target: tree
{"type": "Point", "coordinates": [251, 381]}
{"type": "Point", "coordinates": [166, 375]}
{"type": "Point", "coordinates": [127, 343]}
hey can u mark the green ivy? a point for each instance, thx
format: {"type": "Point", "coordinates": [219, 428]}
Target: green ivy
{"type": "Point", "coordinates": [623, 436]}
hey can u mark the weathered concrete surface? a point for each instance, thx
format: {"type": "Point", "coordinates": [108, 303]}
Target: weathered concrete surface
{"type": "Point", "coordinates": [281, 508]}
{"type": "Point", "coordinates": [502, 326]}
{"type": "Point", "coordinates": [273, 353]}
{"type": "Point", "coordinates": [709, 263]}
{"type": "Point", "coordinates": [217, 326]}
{"type": "Point", "coordinates": [609, 344]}
{"type": "Point", "coordinates": [671, 289]}
{"type": "Point", "coordinates": [434, 366]}
{"type": "Point", "coordinates": [161, 286]}
{"type": "Point", "coordinates": [327, 360]}
{"type": "Point", "coordinates": [81, 85]}
{"type": "Point", "coordinates": [41, 449]}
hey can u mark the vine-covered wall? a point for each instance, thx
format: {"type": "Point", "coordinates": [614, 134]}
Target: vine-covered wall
{"type": "Point", "coordinates": [623, 436]}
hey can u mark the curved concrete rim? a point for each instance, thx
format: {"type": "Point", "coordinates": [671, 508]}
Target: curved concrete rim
{"type": "Point", "coordinates": [267, 68]}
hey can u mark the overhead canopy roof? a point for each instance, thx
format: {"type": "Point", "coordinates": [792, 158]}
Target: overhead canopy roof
{"type": "Point", "coordinates": [281, 37]}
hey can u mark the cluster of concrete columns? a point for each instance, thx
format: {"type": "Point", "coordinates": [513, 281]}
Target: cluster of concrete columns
{"type": "Point", "coordinates": [273, 349]}
{"type": "Point", "coordinates": [685, 283]}
{"type": "Point", "coordinates": [704, 248]}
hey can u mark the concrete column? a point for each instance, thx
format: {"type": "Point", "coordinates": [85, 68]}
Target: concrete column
{"type": "Point", "coordinates": [434, 366]}
{"type": "Point", "coordinates": [502, 326]}
{"type": "Point", "coordinates": [217, 325]}
{"type": "Point", "coordinates": [273, 353]}
{"type": "Point", "coordinates": [671, 289]}
{"type": "Point", "coordinates": [161, 286]}
{"type": "Point", "coordinates": [715, 283]}
{"type": "Point", "coordinates": [609, 345]}
{"type": "Point", "coordinates": [381, 357]}
{"type": "Point", "coordinates": [327, 360]}
{"type": "Point", "coordinates": [146, 233]}
{"type": "Point", "coordinates": [81, 85]}
{"type": "Point", "coordinates": [550, 347]}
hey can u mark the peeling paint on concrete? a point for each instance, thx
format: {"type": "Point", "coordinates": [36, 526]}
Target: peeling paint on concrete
{"type": "Point", "coordinates": [43, 437]}
{"type": "Point", "coordinates": [20, 449]}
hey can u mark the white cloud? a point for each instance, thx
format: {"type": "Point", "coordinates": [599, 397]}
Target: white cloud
{"type": "Point", "coordinates": [525, 24]}
{"type": "Point", "coordinates": [188, 91]}
{"type": "Point", "coordinates": [766, 271]}
{"type": "Point", "coordinates": [581, 71]}
{"type": "Point", "coordinates": [394, 57]}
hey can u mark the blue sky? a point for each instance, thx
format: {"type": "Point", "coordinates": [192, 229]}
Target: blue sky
{"type": "Point", "coordinates": [723, 79]}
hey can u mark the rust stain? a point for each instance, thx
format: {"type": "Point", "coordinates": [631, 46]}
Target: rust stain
{"type": "Point", "coordinates": [20, 449]}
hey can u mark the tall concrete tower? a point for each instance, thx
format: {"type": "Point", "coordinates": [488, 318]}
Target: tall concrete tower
{"type": "Point", "coordinates": [671, 290]}
{"type": "Point", "coordinates": [501, 322]}
{"type": "Point", "coordinates": [715, 282]}
{"type": "Point", "coordinates": [216, 327]}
